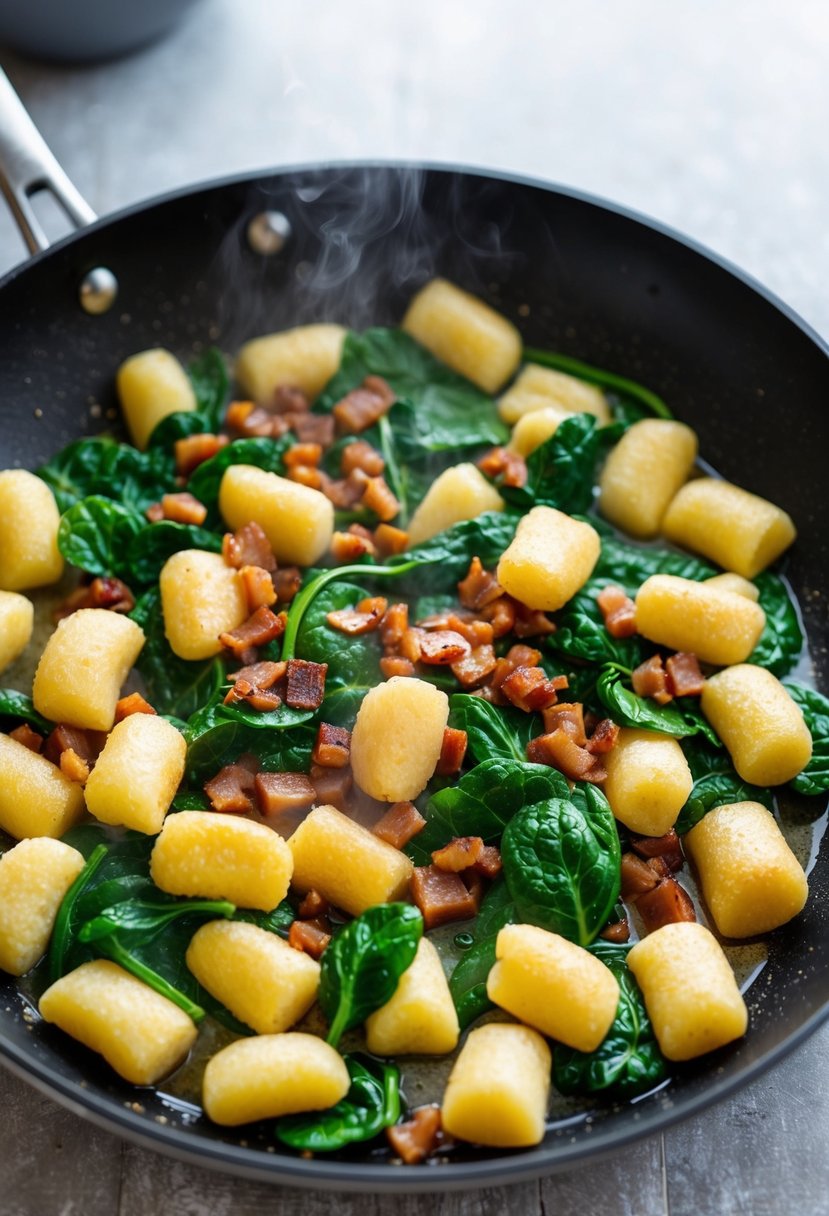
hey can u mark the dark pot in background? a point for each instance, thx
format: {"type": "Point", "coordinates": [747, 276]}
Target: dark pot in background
{"type": "Point", "coordinates": [82, 31]}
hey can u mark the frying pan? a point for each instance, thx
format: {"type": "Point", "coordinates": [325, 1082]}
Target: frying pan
{"type": "Point", "coordinates": [227, 260]}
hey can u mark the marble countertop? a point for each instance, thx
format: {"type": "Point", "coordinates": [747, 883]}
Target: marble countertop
{"type": "Point", "coordinates": [709, 117]}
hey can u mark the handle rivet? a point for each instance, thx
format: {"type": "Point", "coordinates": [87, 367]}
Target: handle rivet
{"type": "Point", "coordinates": [268, 233]}
{"type": "Point", "coordinates": [98, 291]}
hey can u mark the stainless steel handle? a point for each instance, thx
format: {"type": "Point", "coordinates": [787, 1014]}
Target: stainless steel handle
{"type": "Point", "coordinates": [27, 166]}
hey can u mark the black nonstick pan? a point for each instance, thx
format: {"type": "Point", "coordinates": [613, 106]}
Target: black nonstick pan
{"type": "Point", "coordinates": [225, 261]}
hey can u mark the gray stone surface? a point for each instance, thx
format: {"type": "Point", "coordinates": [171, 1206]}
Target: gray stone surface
{"type": "Point", "coordinates": [710, 117]}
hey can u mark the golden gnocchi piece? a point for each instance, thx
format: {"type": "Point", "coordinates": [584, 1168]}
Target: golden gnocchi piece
{"type": "Point", "coordinates": [304, 358]}
{"type": "Point", "coordinates": [420, 1019]}
{"type": "Point", "coordinates": [549, 559]}
{"type": "Point", "coordinates": [140, 1034]}
{"type": "Point", "coordinates": [260, 978]}
{"type": "Point", "coordinates": [350, 866]}
{"type": "Point", "coordinates": [463, 332]}
{"type": "Point", "coordinates": [137, 773]}
{"type": "Point", "coordinates": [272, 1075]}
{"type": "Point", "coordinates": [751, 880]}
{"type": "Point", "coordinates": [535, 428]}
{"type": "Point", "coordinates": [397, 738]}
{"type": "Point", "coordinates": [298, 521]}
{"type": "Point", "coordinates": [498, 1089]}
{"type": "Point", "coordinates": [728, 581]}
{"type": "Point", "coordinates": [719, 626]}
{"type": "Point", "coordinates": [689, 989]}
{"type": "Point", "coordinates": [16, 624]}
{"type": "Point", "coordinates": [554, 985]}
{"type": "Point", "coordinates": [648, 781]}
{"type": "Point", "coordinates": [29, 518]}
{"type": "Point", "coordinates": [34, 877]}
{"type": "Point", "coordinates": [151, 385]}
{"type": "Point", "coordinates": [201, 598]}
{"type": "Point", "coordinates": [759, 723]}
{"type": "Point", "coordinates": [737, 530]}
{"type": "Point", "coordinates": [83, 666]}
{"type": "Point", "coordinates": [459, 493]}
{"type": "Point", "coordinates": [36, 799]}
{"type": "Point", "coordinates": [537, 388]}
{"type": "Point", "coordinates": [212, 856]}
{"type": "Point", "coordinates": [643, 472]}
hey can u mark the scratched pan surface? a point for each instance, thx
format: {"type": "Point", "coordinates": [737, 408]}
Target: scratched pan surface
{"type": "Point", "coordinates": [577, 275]}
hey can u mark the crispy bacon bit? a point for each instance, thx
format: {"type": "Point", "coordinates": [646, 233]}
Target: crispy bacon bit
{"type": "Point", "coordinates": [349, 546]}
{"type": "Point", "coordinates": [263, 626]}
{"type": "Point", "coordinates": [659, 866]}
{"type": "Point", "coordinates": [332, 748]}
{"type": "Point", "coordinates": [306, 684]}
{"type": "Point", "coordinates": [311, 428]}
{"type": "Point", "coordinates": [393, 625]}
{"type": "Point", "coordinates": [309, 936]}
{"type": "Point", "coordinates": [603, 738]}
{"type": "Point", "coordinates": [684, 676]}
{"type": "Point", "coordinates": [666, 904]}
{"type": "Point", "coordinates": [154, 513]}
{"type": "Point", "coordinates": [237, 414]}
{"type": "Point", "coordinates": [249, 546]}
{"type": "Point", "coordinates": [474, 882]}
{"type": "Point", "coordinates": [74, 767]}
{"type": "Point", "coordinates": [390, 540]}
{"type": "Point", "coordinates": [258, 587]}
{"type": "Point", "coordinates": [559, 750]}
{"type": "Point", "coordinates": [378, 497]}
{"type": "Point", "coordinates": [529, 689]}
{"type": "Point", "coordinates": [103, 592]}
{"type": "Point", "coordinates": [313, 904]}
{"type": "Point", "coordinates": [478, 664]}
{"type": "Point", "coordinates": [479, 587]}
{"type": "Point", "coordinates": [618, 610]}
{"type": "Point", "coordinates": [29, 738]}
{"type": "Point", "coordinates": [287, 583]}
{"type": "Point", "coordinates": [667, 847]}
{"type": "Point", "coordinates": [133, 704]}
{"type": "Point", "coordinates": [452, 752]}
{"type": "Point", "coordinates": [400, 824]}
{"type": "Point", "coordinates": [361, 455]}
{"type": "Point", "coordinates": [394, 665]}
{"type": "Point", "coordinates": [477, 633]}
{"type": "Point", "coordinates": [441, 897]}
{"type": "Point", "coordinates": [347, 492]}
{"type": "Point", "coordinates": [637, 876]}
{"type": "Point", "coordinates": [649, 680]}
{"type": "Point", "coordinates": [531, 623]}
{"type": "Point", "coordinates": [489, 863]}
{"type": "Point", "coordinates": [333, 785]}
{"type": "Point", "coordinates": [193, 450]}
{"type": "Point", "coordinates": [306, 475]}
{"type": "Point", "coordinates": [262, 699]}
{"type": "Point", "coordinates": [410, 643]}
{"type": "Point", "coordinates": [279, 792]}
{"type": "Point", "coordinates": [260, 675]}
{"type": "Point", "coordinates": [501, 615]}
{"type": "Point", "coordinates": [288, 399]}
{"type": "Point", "coordinates": [254, 423]}
{"type": "Point", "coordinates": [417, 1137]}
{"type": "Point", "coordinates": [521, 655]}
{"type": "Point", "coordinates": [232, 790]}
{"type": "Point", "coordinates": [619, 931]}
{"type": "Point", "coordinates": [363, 406]}
{"type": "Point", "coordinates": [442, 647]}
{"type": "Point", "coordinates": [459, 854]}
{"type": "Point", "coordinates": [569, 717]}
{"type": "Point", "coordinates": [365, 618]}
{"type": "Point", "coordinates": [309, 454]}
{"type": "Point", "coordinates": [183, 508]}
{"type": "Point", "coordinates": [504, 466]}
{"type": "Point", "coordinates": [84, 743]}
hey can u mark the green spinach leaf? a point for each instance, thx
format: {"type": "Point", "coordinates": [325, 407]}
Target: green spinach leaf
{"type": "Point", "coordinates": [16, 707]}
{"type": "Point", "coordinates": [781, 642]}
{"type": "Point", "coordinates": [561, 472]}
{"type": "Point", "coordinates": [371, 1104]}
{"type": "Point", "coordinates": [96, 533]}
{"type": "Point", "coordinates": [681, 718]}
{"type": "Point", "coordinates": [208, 375]}
{"type": "Point", "coordinates": [436, 566]}
{"type": "Point", "coordinates": [150, 548]}
{"type": "Point", "coordinates": [105, 467]}
{"type": "Point", "coordinates": [815, 707]}
{"type": "Point", "coordinates": [717, 788]}
{"type": "Point", "coordinates": [493, 732]}
{"type": "Point", "coordinates": [629, 565]}
{"type": "Point", "coordinates": [467, 982]}
{"type": "Point", "coordinates": [353, 663]}
{"type": "Point", "coordinates": [279, 920]}
{"type": "Point", "coordinates": [581, 633]}
{"type": "Point", "coordinates": [218, 734]}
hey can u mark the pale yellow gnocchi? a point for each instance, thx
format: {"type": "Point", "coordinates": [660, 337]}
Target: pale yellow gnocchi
{"type": "Point", "coordinates": [297, 520]}
{"type": "Point", "coordinates": [397, 738]}
{"type": "Point", "coordinates": [29, 518]}
{"type": "Point", "coordinates": [36, 799]}
{"type": "Point", "coordinates": [648, 781]}
{"type": "Point", "coordinates": [34, 877]}
{"type": "Point", "coordinates": [137, 774]}
{"type": "Point", "coordinates": [16, 624]}
{"type": "Point", "coordinates": [420, 1018]}
{"type": "Point", "coordinates": [550, 558]}
{"type": "Point", "coordinates": [201, 598]}
{"type": "Point", "coordinates": [459, 493]}
{"type": "Point", "coordinates": [718, 625]}
{"type": "Point", "coordinates": [304, 358]}
{"type": "Point", "coordinates": [759, 723]}
{"type": "Point", "coordinates": [152, 385]}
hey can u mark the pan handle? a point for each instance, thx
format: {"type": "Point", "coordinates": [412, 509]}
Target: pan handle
{"type": "Point", "coordinates": [27, 166]}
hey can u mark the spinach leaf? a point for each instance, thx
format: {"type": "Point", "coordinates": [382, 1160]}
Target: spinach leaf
{"type": "Point", "coordinates": [207, 477]}
{"type": "Point", "coordinates": [493, 732]}
{"type": "Point", "coordinates": [629, 566]}
{"type": "Point", "coordinates": [467, 982]}
{"type": "Point", "coordinates": [681, 718]}
{"type": "Point", "coordinates": [115, 470]}
{"type": "Point", "coordinates": [483, 802]}
{"type": "Point", "coordinates": [173, 685]}
{"type": "Point", "coordinates": [208, 375]}
{"type": "Point", "coordinates": [438, 565]}
{"type": "Point", "coordinates": [150, 548]}
{"type": "Point", "coordinates": [717, 788]}
{"type": "Point", "coordinates": [353, 663]}
{"type": "Point", "coordinates": [95, 535]}
{"type": "Point", "coordinates": [562, 866]}
{"type": "Point", "coordinates": [627, 392]}
{"type": "Point", "coordinates": [177, 426]}
{"type": "Point", "coordinates": [218, 734]}
{"type": "Point", "coordinates": [363, 964]}
{"type": "Point", "coordinates": [815, 707]}
{"type": "Point", "coordinates": [139, 920]}
{"type": "Point", "coordinates": [279, 920]}
{"type": "Point", "coordinates": [781, 642]}
{"type": "Point", "coordinates": [444, 411]}
{"type": "Point", "coordinates": [16, 707]}
{"type": "Point", "coordinates": [561, 472]}
{"type": "Point", "coordinates": [371, 1104]}
{"type": "Point", "coordinates": [628, 1061]}
{"type": "Point", "coordinates": [581, 633]}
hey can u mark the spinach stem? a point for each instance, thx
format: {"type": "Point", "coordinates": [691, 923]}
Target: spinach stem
{"type": "Point", "coordinates": [394, 475]}
{"type": "Point", "coordinates": [597, 375]}
{"type": "Point", "coordinates": [60, 934]}
{"type": "Point", "coordinates": [338, 1026]}
{"type": "Point", "coordinates": [118, 954]}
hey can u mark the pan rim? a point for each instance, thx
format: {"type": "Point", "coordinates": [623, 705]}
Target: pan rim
{"type": "Point", "coordinates": [107, 1113]}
